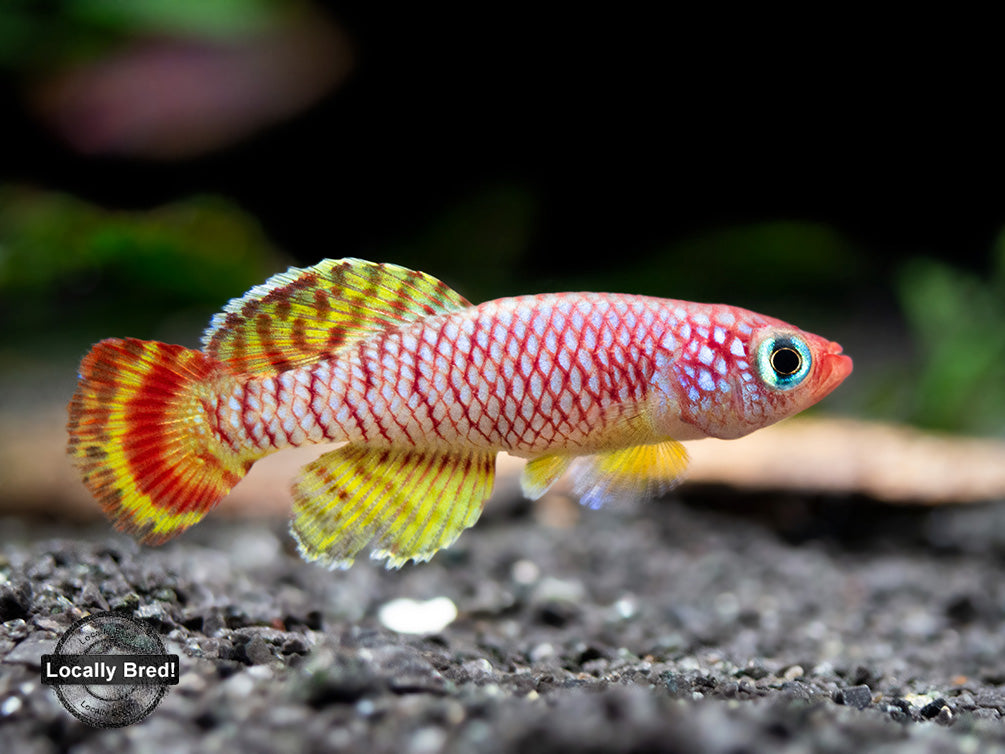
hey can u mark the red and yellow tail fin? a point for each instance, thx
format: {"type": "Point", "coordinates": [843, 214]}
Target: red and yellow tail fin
{"type": "Point", "coordinates": [143, 437]}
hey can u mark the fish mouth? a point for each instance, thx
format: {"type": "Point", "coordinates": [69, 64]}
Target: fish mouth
{"type": "Point", "coordinates": [836, 366]}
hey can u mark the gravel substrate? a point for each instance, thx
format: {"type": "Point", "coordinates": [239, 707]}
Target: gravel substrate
{"type": "Point", "coordinates": [718, 624]}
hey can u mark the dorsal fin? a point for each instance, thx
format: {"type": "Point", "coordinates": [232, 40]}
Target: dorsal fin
{"type": "Point", "coordinates": [302, 316]}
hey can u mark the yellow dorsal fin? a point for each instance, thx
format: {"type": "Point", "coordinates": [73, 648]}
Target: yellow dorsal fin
{"type": "Point", "coordinates": [638, 472]}
{"type": "Point", "coordinates": [406, 504]}
{"type": "Point", "coordinates": [542, 472]}
{"type": "Point", "coordinates": [302, 316]}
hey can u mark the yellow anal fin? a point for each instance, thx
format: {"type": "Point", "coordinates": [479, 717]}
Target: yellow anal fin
{"type": "Point", "coordinates": [637, 472]}
{"type": "Point", "coordinates": [406, 504]}
{"type": "Point", "coordinates": [542, 472]}
{"type": "Point", "coordinates": [302, 316]}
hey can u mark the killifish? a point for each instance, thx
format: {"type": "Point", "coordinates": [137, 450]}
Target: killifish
{"type": "Point", "coordinates": [423, 389]}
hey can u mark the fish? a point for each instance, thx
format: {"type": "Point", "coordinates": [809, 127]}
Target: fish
{"type": "Point", "coordinates": [423, 389]}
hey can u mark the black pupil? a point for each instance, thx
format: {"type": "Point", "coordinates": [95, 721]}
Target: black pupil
{"type": "Point", "coordinates": [786, 361]}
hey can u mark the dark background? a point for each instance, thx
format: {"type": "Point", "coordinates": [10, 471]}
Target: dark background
{"type": "Point", "coordinates": [839, 173]}
{"type": "Point", "coordinates": [629, 129]}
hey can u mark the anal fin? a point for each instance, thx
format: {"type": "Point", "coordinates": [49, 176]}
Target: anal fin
{"type": "Point", "coordinates": [637, 472]}
{"type": "Point", "coordinates": [542, 472]}
{"type": "Point", "coordinates": [405, 504]}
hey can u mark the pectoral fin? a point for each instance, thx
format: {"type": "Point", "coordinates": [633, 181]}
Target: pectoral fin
{"type": "Point", "coordinates": [542, 472]}
{"type": "Point", "coordinates": [405, 504]}
{"type": "Point", "coordinates": [638, 472]}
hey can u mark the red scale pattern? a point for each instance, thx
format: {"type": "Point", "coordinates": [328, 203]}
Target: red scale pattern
{"type": "Point", "coordinates": [526, 374]}
{"type": "Point", "coordinates": [532, 374]}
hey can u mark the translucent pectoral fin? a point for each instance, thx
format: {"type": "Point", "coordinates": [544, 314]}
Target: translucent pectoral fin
{"type": "Point", "coordinates": [542, 472]}
{"type": "Point", "coordinates": [638, 472]}
{"type": "Point", "coordinates": [405, 504]}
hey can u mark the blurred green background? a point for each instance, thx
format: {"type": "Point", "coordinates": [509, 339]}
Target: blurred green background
{"type": "Point", "coordinates": [161, 158]}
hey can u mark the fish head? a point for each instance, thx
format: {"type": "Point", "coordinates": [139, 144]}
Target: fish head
{"type": "Point", "coordinates": [753, 373]}
{"type": "Point", "coordinates": [795, 369]}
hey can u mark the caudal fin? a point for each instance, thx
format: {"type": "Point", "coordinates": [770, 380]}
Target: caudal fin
{"type": "Point", "coordinates": [143, 438]}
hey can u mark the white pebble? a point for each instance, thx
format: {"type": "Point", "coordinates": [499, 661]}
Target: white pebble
{"type": "Point", "coordinates": [625, 608]}
{"type": "Point", "coordinates": [525, 572]}
{"type": "Point", "coordinates": [542, 652]}
{"type": "Point", "coordinates": [428, 740]}
{"type": "Point", "coordinates": [407, 616]}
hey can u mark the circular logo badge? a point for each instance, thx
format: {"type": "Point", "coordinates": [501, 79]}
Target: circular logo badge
{"type": "Point", "coordinates": [110, 670]}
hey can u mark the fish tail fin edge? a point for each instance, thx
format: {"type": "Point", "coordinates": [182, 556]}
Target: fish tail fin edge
{"type": "Point", "coordinates": [141, 426]}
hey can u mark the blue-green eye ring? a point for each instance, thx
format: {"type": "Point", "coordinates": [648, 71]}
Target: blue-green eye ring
{"type": "Point", "coordinates": [783, 361]}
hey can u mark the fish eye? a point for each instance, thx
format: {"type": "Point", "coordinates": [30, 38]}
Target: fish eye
{"type": "Point", "coordinates": [786, 361]}
{"type": "Point", "coordinates": [783, 361]}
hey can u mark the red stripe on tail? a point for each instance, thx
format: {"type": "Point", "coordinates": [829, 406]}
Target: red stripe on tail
{"type": "Point", "coordinates": [143, 435]}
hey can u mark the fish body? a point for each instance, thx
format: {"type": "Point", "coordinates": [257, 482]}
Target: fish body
{"type": "Point", "coordinates": [425, 389]}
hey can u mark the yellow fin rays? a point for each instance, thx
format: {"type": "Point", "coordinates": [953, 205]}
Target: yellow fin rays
{"type": "Point", "coordinates": [302, 316]}
{"type": "Point", "coordinates": [634, 473]}
{"type": "Point", "coordinates": [638, 472]}
{"type": "Point", "coordinates": [542, 472]}
{"type": "Point", "coordinates": [406, 504]}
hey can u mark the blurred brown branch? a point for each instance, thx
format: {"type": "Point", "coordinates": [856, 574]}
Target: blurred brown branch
{"type": "Point", "coordinates": [831, 456]}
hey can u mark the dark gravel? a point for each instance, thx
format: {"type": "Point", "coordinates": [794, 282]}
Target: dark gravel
{"type": "Point", "coordinates": [715, 624]}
